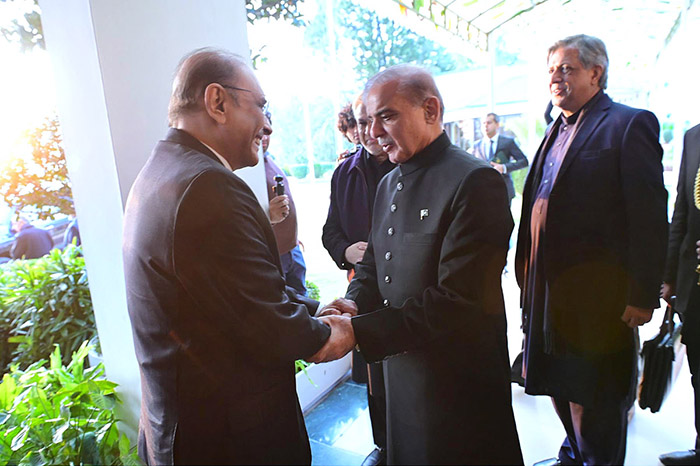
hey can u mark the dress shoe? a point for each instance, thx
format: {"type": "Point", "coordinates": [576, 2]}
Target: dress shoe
{"type": "Point", "coordinates": [548, 462]}
{"type": "Point", "coordinates": [680, 458]}
{"type": "Point", "coordinates": [376, 458]}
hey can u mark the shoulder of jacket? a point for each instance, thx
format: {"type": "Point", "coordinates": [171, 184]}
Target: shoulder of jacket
{"type": "Point", "coordinates": [693, 132]}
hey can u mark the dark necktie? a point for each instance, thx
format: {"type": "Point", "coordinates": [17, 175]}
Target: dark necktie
{"type": "Point", "coordinates": [491, 149]}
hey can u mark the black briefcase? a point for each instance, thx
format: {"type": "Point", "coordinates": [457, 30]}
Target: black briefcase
{"type": "Point", "coordinates": [663, 357]}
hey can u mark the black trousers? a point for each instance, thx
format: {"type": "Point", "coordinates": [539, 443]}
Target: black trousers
{"type": "Point", "coordinates": [691, 338]}
{"type": "Point", "coordinates": [693, 353]}
{"type": "Point", "coordinates": [594, 435]}
{"type": "Point", "coordinates": [376, 400]}
{"type": "Point", "coordinates": [373, 376]}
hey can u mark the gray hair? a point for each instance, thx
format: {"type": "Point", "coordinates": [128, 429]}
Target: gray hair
{"type": "Point", "coordinates": [195, 72]}
{"type": "Point", "coordinates": [591, 52]}
{"type": "Point", "coordinates": [415, 83]}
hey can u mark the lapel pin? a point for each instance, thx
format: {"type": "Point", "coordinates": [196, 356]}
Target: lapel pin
{"type": "Point", "coordinates": [423, 213]}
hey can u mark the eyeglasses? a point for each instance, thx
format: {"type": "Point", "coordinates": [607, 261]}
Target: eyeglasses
{"type": "Point", "coordinates": [235, 88]}
{"type": "Point", "coordinates": [264, 106]}
{"type": "Point", "coordinates": [565, 70]}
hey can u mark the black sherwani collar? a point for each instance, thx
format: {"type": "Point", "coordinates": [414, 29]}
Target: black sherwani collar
{"type": "Point", "coordinates": [426, 156]}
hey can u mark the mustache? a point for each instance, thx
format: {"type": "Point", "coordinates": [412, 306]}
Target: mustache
{"type": "Point", "coordinates": [566, 88]}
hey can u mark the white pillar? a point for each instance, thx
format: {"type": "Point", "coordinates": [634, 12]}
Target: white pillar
{"type": "Point", "coordinates": [113, 65]}
{"type": "Point", "coordinates": [491, 41]}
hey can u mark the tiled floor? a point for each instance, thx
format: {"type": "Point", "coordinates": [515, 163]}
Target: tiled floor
{"type": "Point", "coordinates": [339, 428]}
{"type": "Point", "coordinates": [340, 434]}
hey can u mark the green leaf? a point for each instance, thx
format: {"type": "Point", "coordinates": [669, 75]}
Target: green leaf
{"type": "Point", "coordinates": [18, 441]}
{"type": "Point", "coordinates": [58, 434]}
{"type": "Point", "coordinates": [33, 458]}
{"type": "Point", "coordinates": [8, 391]}
{"type": "Point", "coordinates": [124, 445]}
{"type": "Point", "coordinates": [89, 452]}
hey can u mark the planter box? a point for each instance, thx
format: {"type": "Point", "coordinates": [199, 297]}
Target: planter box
{"type": "Point", "coordinates": [325, 376]}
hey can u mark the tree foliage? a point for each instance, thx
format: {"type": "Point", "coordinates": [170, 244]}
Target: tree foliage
{"type": "Point", "coordinates": [379, 43]}
{"type": "Point", "coordinates": [285, 9]}
{"type": "Point", "coordinates": [40, 180]}
{"type": "Point", "coordinates": [25, 31]}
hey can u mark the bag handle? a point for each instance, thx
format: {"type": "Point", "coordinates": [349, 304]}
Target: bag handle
{"type": "Point", "coordinates": [668, 324]}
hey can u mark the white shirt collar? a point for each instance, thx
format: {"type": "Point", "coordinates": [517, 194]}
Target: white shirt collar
{"type": "Point", "coordinates": [223, 160]}
{"type": "Point", "coordinates": [494, 139]}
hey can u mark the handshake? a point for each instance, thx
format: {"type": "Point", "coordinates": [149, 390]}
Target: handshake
{"type": "Point", "coordinates": [337, 316]}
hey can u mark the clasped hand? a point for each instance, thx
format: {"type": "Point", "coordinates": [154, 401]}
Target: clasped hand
{"type": "Point", "coordinates": [337, 316]}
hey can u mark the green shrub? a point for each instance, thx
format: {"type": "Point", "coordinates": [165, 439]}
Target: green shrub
{"type": "Point", "coordinates": [312, 290]}
{"type": "Point", "coordinates": [44, 302]}
{"type": "Point", "coordinates": [299, 171]}
{"type": "Point", "coordinates": [61, 415]}
{"type": "Point", "coordinates": [519, 177]}
{"type": "Point", "coordinates": [320, 168]}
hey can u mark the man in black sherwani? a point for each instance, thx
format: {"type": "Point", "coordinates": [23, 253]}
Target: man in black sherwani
{"type": "Point", "coordinates": [590, 255]}
{"type": "Point", "coordinates": [428, 289]}
{"type": "Point", "coordinates": [216, 331]}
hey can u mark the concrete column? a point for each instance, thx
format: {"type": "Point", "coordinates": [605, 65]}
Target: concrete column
{"type": "Point", "coordinates": [113, 64]}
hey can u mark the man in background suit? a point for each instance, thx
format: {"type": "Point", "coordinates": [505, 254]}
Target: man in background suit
{"type": "Point", "coordinates": [500, 151]}
{"type": "Point", "coordinates": [215, 329]}
{"type": "Point", "coordinates": [30, 242]}
{"type": "Point", "coordinates": [590, 256]}
{"type": "Point", "coordinates": [681, 279]}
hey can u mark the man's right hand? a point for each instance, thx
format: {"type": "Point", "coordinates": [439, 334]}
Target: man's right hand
{"type": "Point", "coordinates": [355, 252]}
{"type": "Point", "coordinates": [279, 208]}
{"type": "Point", "coordinates": [341, 341]}
{"type": "Point", "coordinates": [667, 291]}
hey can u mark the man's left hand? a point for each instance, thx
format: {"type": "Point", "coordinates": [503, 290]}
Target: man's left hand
{"type": "Point", "coordinates": [337, 307]}
{"type": "Point", "coordinates": [499, 167]}
{"type": "Point", "coordinates": [635, 316]}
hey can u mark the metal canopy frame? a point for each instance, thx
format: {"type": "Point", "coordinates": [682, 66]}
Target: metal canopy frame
{"type": "Point", "coordinates": [474, 21]}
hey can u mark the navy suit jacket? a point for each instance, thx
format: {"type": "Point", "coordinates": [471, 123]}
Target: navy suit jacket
{"type": "Point", "coordinates": [603, 247]}
{"type": "Point", "coordinates": [685, 227]}
{"type": "Point", "coordinates": [31, 243]}
{"type": "Point", "coordinates": [507, 153]}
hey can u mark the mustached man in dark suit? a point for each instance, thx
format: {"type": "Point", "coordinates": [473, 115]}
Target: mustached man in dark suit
{"type": "Point", "coordinates": [216, 331]}
{"type": "Point", "coordinates": [591, 249]}
{"type": "Point", "coordinates": [681, 279]}
{"type": "Point", "coordinates": [500, 151]}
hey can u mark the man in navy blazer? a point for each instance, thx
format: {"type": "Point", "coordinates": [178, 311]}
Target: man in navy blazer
{"type": "Point", "coordinates": [590, 256]}
{"type": "Point", "coordinates": [500, 151]}
{"type": "Point", "coordinates": [681, 279]}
